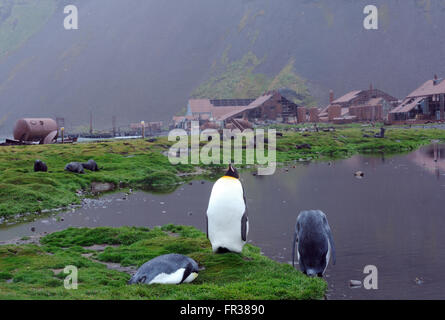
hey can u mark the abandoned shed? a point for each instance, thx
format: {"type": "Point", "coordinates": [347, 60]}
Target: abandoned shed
{"type": "Point", "coordinates": [358, 105]}
{"type": "Point", "coordinates": [270, 107]}
{"type": "Point", "coordinates": [426, 103]}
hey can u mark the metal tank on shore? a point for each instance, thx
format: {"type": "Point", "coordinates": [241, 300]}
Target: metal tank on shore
{"type": "Point", "coordinates": [43, 130]}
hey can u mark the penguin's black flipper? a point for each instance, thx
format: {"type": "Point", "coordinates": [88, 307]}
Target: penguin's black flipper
{"type": "Point", "coordinates": [207, 226]}
{"type": "Point", "coordinates": [244, 218]}
{"type": "Point", "coordinates": [187, 272]}
{"type": "Point", "coordinates": [244, 226]}
{"type": "Point", "coordinates": [331, 240]}
{"type": "Point", "coordinates": [293, 246]}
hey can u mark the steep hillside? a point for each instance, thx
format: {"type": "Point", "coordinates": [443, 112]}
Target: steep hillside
{"type": "Point", "coordinates": [19, 20]}
{"type": "Point", "coordinates": [142, 59]}
{"type": "Point", "coordinates": [240, 79]}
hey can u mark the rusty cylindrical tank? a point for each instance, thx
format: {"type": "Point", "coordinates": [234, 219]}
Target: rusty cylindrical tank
{"type": "Point", "coordinates": [35, 129]}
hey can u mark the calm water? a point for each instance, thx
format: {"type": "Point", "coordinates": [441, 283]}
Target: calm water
{"type": "Point", "coordinates": [393, 218]}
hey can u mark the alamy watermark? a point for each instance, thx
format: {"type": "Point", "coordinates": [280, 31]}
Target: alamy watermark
{"type": "Point", "coordinates": [371, 280]}
{"type": "Point", "coordinates": [219, 145]}
{"type": "Point", "coordinates": [70, 282]}
{"type": "Point", "coordinates": [71, 21]}
{"type": "Point", "coordinates": [371, 21]}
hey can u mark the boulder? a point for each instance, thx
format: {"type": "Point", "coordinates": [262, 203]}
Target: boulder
{"type": "Point", "coordinates": [75, 167]}
{"type": "Point", "coordinates": [90, 165]}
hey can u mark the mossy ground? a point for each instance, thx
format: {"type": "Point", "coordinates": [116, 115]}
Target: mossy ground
{"type": "Point", "coordinates": [33, 271]}
{"type": "Point", "coordinates": [141, 164]}
{"type": "Point", "coordinates": [136, 163]}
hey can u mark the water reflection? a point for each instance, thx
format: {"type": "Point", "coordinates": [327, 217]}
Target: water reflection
{"type": "Point", "coordinates": [393, 218]}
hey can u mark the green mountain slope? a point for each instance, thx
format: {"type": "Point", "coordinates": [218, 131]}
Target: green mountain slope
{"type": "Point", "coordinates": [19, 20]}
{"type": "Point", "coordinates": [239, 79]}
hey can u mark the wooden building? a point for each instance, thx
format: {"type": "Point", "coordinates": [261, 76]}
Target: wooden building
{"type": "Point", "coordinates": [426, 103]}
{"type": "Point", "coordinates": [359, 105]}
{"type": "Point", "coordinates": [270, 107]}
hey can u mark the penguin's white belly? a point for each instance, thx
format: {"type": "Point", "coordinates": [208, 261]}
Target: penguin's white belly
{"type": "Point", "coordinates": [173, 278]}
{"type": "Point", "coordinates": [225, 211]}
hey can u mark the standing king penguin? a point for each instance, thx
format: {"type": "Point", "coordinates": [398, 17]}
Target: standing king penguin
{"type": "Point", "coordinates": [227, 223]}
{"type": "Point", "coordinates": [314, 241]}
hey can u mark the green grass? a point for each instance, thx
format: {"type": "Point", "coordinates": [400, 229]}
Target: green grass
{"type": "Point", "coordinates": [344, 143]}
{"type": "Point", "coordinates": [249, 275]}
{"type": "Point", "coordinates": [240, 79]}
{"type": "Point", "coordinates": [138, 164]}
{"type": "Point", "coordinates": [21, 19]}
{"type": "Point", "coordinates": [141, 164]}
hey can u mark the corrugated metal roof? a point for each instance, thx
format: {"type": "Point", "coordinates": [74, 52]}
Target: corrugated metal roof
{"type": "Point", "coordinates": [258, 102]}
{"type": "Point", "coordinates": [371, 102]}
{"type": "Point", "coordinates": [347, 97]}
{"type": "Point", "coordinates": [407, 105]}
{"type": "Point", "coordinates": [205, 108]}
{"type": "Point", "coordinates": [428, 89]}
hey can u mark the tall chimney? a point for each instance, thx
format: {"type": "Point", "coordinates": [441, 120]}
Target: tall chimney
{"type": "Point", "coordinates": [331, 96]}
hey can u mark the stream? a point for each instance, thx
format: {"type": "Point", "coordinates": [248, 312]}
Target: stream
{"type": "Point", "coordinates": [392, 218]}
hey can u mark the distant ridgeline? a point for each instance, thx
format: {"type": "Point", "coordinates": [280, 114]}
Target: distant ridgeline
{"type": "Point", "coordinates": [238, 79]}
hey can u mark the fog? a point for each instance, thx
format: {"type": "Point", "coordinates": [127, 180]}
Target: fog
{"type": "Point", "coordinates": [141, 59]}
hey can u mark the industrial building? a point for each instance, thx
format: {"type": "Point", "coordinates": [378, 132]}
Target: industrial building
{"type": "Point", "coordinates": [424, 104]}
{"type": "Point", "coordinates": [219, 113]}
{"type": "Point", "coordinates": [358, 105]}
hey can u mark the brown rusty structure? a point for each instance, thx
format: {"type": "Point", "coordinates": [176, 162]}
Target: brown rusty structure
{"type": "Point", "coordinates": [42, 130]}
{"type": "Point", "coordinates": [426, 103]}
{"type": "Point", "coordinates": [271, 106]}
{"type": "Point", "coordinates": [358, 105]}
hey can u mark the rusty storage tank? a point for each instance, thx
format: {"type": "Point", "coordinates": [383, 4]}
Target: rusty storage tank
{"type": "Point", "coordinates": [43, 130]}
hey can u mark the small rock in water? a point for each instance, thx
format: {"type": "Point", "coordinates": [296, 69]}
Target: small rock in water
{"type": "Point", "coordinates": [419, 281]}
{"type": "Point", "coordinates": [33, 229]}
{"type": "Point", "coordinates": [355, 283]}
{"type": "Point", "coordinates": [202, 182]}
{"type": "Point", "coordinates": [359, 174]}
{"type": "Point", "coordinates": [189, 213]}
{"type": "Point", "coordinates": [190, 183]}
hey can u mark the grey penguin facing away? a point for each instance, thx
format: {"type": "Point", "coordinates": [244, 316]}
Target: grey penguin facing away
{"type": "Point", "coordinates": [314, 242]}
{"type": "Point", "coordinates": [167, 269]}
{"type": "Point", "coordinates": [90, 165]}
{"type": "Point", "coordinates": [40, 166]}
{"type": "Point", "coordinates": [75, 167]}
{"type": "Point", "coordinates": [227, 222]}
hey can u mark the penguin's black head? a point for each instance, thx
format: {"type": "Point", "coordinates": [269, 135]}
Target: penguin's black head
{"type": "Point", "coordinates": [231, 172]}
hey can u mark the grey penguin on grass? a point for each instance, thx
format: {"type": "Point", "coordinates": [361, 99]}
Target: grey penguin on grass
{"type": "Point", "coordinates": [227, 222]}
{"type": "Point", "coordinates": [314, 242]}
{"type": "Point", "coordinates": [167, 269]}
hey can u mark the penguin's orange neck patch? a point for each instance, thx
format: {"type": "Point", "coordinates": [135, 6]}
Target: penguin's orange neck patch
{"type": "Point", "coordinates": [229, 177]}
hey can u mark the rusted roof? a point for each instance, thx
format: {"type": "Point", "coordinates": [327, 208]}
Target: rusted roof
{"type": "Point", "coordinates": [407, 105]}
{"type": "Point", "coordinates": [256, 103]}
{"type": "Point", "coordinates": [347, 97]}
{"type": "Point", "coordinates": [429, 88]}
{"type": "Point", "coordinates": [205, 108]}
{"type": "Point", "coordinates": [200, 105]}
{"type": "Point", "coordinates": [371, 102]}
